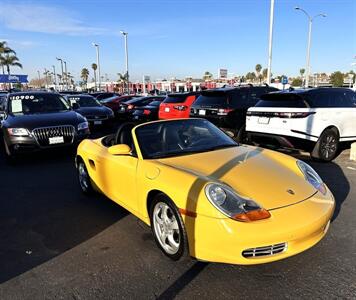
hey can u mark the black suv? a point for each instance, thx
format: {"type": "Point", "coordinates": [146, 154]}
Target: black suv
{"type": "Point", "coordinates": [40, 120]}
{"type": "Point", "coordinates": [227, 107]}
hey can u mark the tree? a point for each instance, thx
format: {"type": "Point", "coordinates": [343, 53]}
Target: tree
{"type": "Point", "coordinates": [251, 76]}
{"type": "Point", "coordinates": [9, 59]}
{"type": "Point", "coordinates": [207, 76]}
{"type": "Point", "coordinates": [264, 73]}
{"type": "Point", "coordinates": [337, 79]}
{"type": "Point", "coordinates": [297, 82]}
{"type": "Point", "coordinates": [302, 71]}
{"type": "Point", "coordinates": [94, 67]}
{"type": "Point", "coordinates": [4, 49]}
{"type": "Point", "coordinates": [84, 74]}
{"type": "Point", "coordinates": [258, 69]}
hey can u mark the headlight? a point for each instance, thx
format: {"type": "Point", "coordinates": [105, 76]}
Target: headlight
{"type": "Point", "coordinates": [312, 177]}
{"type": "Point", "coordinates": [83, 126]}
{"type": "Point", "coordinates": [18, 131]}
{"type": "Point", "coordinates": [233, 205]}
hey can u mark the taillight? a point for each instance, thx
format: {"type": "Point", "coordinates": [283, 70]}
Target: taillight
{"type": "Point", "coordinates": [180, 107]}
{"type": "Point", "coordinates": [224, 111]}
{"type": "Point", "coordinates": [146, 112]}
{"type": "Point", "coordinates": [293, 115]}
{"type": "Point", "coordinates": [130, 106]}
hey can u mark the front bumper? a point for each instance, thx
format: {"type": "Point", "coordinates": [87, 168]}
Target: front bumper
{"type": "Point", "coordinates": [25, 144]}
{"type": "Point", "coordinates": [300, 226]}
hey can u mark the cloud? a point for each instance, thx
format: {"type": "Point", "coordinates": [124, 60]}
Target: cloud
{"type": "Point", "coordinates": [44, 19]}
{"type": "Point", "coordinates": [19, 44]}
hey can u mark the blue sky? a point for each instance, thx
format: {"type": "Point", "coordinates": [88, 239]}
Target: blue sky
{"type": "Point", "coordinates": [180, 37]}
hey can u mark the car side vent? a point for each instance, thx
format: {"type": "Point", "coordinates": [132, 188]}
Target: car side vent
{"type": "Point", "coordinates": [264, 251]}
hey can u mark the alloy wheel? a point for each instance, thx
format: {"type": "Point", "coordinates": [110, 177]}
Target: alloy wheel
{"type": "Point", "coordinates": [166, 228]}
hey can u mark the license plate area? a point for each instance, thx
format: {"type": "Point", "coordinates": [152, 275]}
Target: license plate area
{"type": "Point", "coordinates": [263, 120]}
{"type": "Point", "coordinates": [56, 140]}
{"type": "Point", "coordinates": [202, 112]}
{"type": "Point", "coordinates": [98, 122]}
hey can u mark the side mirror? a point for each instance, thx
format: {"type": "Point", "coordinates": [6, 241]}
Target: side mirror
{"type": "Point", "coordinates": [121, 149]}
{"type": "Point", "coordinates": [75, 105]}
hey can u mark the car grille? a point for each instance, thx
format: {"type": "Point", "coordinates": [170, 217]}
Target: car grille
{"type": "Point", "coordinates": [265, 251]}
{"type": "Point", "coordinates": [43, 134]}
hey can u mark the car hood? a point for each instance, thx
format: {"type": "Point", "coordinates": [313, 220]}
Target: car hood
{"type": "Point", "coordinates": [262, 175]}
{"type": "Point", "coordinates": [99, 110]}
{"type": "Point", "coordinates": [44, 120]}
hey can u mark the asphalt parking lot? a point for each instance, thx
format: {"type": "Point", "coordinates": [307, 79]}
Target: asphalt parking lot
{"type": "Point", "coordinates": [57, 243]}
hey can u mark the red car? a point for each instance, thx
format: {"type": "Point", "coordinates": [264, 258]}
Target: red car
{"type": "Point", "coordinates": [177, 106]}
{"type": "Point", "coordinates": [114, 102]}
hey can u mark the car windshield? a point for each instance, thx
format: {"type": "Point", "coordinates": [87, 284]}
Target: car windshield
{"type": "Point", "coordinates": [26, 104]}
{"type": "Point", "coordinates": [84, 101]}
{"type": "Point", "coordinates": [107, 100]}
{"type": "Point", "coordinates": [175, 99]}
{"type": "Point", "coordinates": [180, 137]}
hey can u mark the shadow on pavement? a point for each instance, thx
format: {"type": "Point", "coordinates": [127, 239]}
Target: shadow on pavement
{"type": "Point", "coordinates": [183, 280]}
{"type": "Point", "coordinates": [43, 212]}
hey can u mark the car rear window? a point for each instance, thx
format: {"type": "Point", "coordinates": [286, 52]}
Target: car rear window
{"type": "Point", "coordinates": [331, 98]}
{"type": "Point", "coordinates": [282, 100]}
{"type": "Point", "coordinates": [212, 99]}
{"type": "Point", "coordinates": [175, 99]}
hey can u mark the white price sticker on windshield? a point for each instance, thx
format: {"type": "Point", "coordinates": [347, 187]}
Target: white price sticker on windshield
{"type": "Point", "coordinates": [16, 106]}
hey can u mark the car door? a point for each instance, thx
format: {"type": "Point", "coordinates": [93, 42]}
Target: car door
{"type": "Point", "coordinates": [120, 179]}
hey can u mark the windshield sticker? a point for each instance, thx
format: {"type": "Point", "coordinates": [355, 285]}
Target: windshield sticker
{"type": "Point", "coordinates": [16, 106]}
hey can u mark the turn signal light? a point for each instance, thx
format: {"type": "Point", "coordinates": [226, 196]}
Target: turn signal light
{"type": "Point", "coordinates": [253, 215]}
{"type": "Point", "coordinates": [130, 106]}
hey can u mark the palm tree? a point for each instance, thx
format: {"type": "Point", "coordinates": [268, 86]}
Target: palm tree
{"type": "Point", "coordinates": [84, 74]}
{"type": "Point", "coordinates": [207, 75]}
{"type": "Point", "coordinates": [4, 51]}
{"type": "Point", "coordinates": [302, 71]}
{"type": "Point", "coordinates": [10, 60]}
{"type": "Point", "coordinates": [122, 78]}
{"type": "Point", "coordinates": [94, 67]}
{"type": "Point", "coordinates": [258, 69]}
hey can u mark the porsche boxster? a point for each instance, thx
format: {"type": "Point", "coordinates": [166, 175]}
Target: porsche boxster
{"type": "Point", "coordinates": [205, 195]}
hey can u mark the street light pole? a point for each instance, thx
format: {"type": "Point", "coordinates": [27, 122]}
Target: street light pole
{"type": "Point", "coordinates": [62, 79]}
{"type": "Point", "coordinates": [55, 77]}
{"type": "Point", "coordinates": [65, 71]}
{"type": "Point", "coordinates": [310, 22]}
{"type": "Point", "coordinates": [270, 42]}
{"type": "Point", "coordinates": [125, 34]}
{"type": "Point", "coordinates": [39, 78]}
{"type": "Point", "coordinates": [98, 63]}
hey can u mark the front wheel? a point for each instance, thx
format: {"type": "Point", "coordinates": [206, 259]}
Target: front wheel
{"type": "Point", "coordinates": [84, 178]}
{"type": "Point", "coordinates": [168, 228]}
{"type": "Point", "coordinates": [327, 147]}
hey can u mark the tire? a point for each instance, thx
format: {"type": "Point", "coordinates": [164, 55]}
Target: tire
{"type": "Point", "coordinates": [168, 228]}
{"type": "Point", "coordinates": [327, 147]}
{"type": "Point", "coordinates": [241, 136]}
{"type": "Point", "coordinates": [84, 178]}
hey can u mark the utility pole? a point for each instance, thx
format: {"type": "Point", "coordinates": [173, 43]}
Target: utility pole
{"type": "Point", "coordinates": [55, 77]}
{"type": "Point", "coordinates": [125, 34]}
{"type": "Point", "coordinates": [98, 63]}
{"type": "Point", "coordinates": [271, 17]}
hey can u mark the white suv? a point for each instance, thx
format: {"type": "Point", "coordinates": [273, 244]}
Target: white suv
{"type": "Point", "coordinates": [317, 120]}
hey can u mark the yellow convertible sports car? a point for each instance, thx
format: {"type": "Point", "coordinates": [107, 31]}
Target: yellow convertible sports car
{"type": "Point", "coordinates": [206, 196]}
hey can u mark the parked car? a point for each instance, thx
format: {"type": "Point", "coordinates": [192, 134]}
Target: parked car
{"type": "Point", "coordinates": [206, 196]}
{"type": "Point", "coordinates": [2, 105]}
{"type": "Point", "coordinates": [91, 109]}
{"type": "Point", "coordinates": [40, 120]}
{"type": "Point", "coordinates": [317, 120]}
{"type": "Point", "coordinates": [177, 106]}
{"type": "Point", "coordinates": [227, 107]}
{"type": "Point", "coordinates": [102, 96]}
{"type": "Point", "coordinates": [126, 108]}
{"type": "Point", "coordinates": [147, 113]}
{"type": "Point", "coordinates": [114, 102]}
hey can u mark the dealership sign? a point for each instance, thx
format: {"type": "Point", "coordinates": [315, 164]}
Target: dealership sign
{"type": "Point", "coordinates": [222, 73]}
{"type": "Point", "coordinates": [13, 78]}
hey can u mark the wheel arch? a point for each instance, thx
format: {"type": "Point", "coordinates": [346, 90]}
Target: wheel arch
{"type": "Point", "coordinates": [150, 196]}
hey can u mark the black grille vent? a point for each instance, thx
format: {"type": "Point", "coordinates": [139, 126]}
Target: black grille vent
{"type": "Point", "coordinates": [43, 134]}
